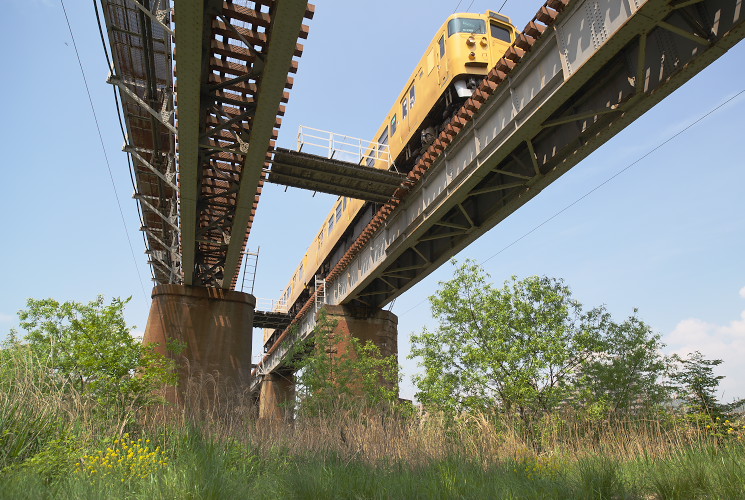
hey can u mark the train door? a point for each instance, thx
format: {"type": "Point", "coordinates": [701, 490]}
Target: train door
{"type": "Point", "coordinates": [442, 62]}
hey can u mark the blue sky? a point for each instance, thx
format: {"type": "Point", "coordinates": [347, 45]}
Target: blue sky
{"type": "Point", "coordinates": [666, 236]}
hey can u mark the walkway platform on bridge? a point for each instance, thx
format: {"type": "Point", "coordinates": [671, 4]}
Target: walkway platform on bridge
{"type": "Point", "coordinates": [327, 175]}
{"type": "Point", "coordinates": [271, 319]}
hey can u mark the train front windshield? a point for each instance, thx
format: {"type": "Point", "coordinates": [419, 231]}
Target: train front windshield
{"type": "Point", "coordinates": [460, 25]}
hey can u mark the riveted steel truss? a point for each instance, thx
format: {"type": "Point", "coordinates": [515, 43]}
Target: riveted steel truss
{"type": "Point", "coordinates": [140, 41]}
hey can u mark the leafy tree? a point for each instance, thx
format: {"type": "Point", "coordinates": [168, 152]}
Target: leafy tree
{"type": "Point", "coordinates": [625, 374]}
{"type": "Point", "coordinates": [90, 347]}
{"type": "Point", "coordinates": [515, 348]}
{"type": "Point", "coordinates": [333, 370]}
{"type": "Point", "coordinates": [697, 385]}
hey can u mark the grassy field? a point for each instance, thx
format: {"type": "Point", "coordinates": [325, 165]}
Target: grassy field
{"type": "Point", "coordinates": [56, 444]}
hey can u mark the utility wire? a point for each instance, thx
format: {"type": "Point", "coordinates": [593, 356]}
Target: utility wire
{"type": "Point", "coordinates": [502, 7]}
{"type": "Point", "coordinates": [103, 148]}
{"type": "Point", "coordinates": [588, 193]}
{"type": "Point", "coordinates": [456, 7]}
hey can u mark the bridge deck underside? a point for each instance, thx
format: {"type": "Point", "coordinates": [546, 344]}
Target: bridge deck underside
{"type": "Point", "coordinates": [141, 53]}
{"type": "Point", "coordinates": [271, 319]}
{"type": "Point", "coordinates": [232, 65]}
{"type": "Point", "coordinates": [326, 175]}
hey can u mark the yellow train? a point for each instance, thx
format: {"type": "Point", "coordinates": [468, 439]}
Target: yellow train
{"type": "Point", "coordinates": [461, 53]}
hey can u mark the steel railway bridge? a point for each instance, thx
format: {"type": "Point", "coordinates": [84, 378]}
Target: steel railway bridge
{"type": "Point", "coordinates": [201, 137]}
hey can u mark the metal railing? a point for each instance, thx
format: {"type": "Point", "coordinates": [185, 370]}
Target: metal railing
{"type": "Point", "coordinates": [343, 147]}
{"type": "Point", "coordinates": [271, 305]}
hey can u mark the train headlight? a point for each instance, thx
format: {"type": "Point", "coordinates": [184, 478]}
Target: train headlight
{"type": "Point", "coordinates": [483, 41]}
{"type": "Point", "coordinates": [471, 41]}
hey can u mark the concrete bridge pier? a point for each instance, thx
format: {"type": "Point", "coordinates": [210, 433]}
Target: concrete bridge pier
{"type": "Point", "coordinates": [364, 323]}
{"type": "Point", "coordinates": [276, 394]}
{"type": "Point", "coordinates": [377, 325]}
{"type": "Point", "coordinates": [215, 325]}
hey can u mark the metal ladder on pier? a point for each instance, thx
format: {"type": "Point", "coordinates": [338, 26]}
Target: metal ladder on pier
{"type": "Point", "coordinates": [250, 264]}
{"type": "Point", "coordinates": [320, 294]}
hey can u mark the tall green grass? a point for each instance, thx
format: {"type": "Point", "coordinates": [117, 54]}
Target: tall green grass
{"type": "Point", "coordinates": [221, 450]}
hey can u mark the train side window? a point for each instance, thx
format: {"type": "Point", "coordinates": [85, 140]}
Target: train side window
{"type": "Point", "coordinates": [344, 202]}
{"type": "Point", "coordinates": [442, 47]}
{"type": "Point", "coordinates": [338, 212]}
{"type": "Point", "coordinates": [404, 108]}
{"type": "Point", "coordinates": [500, 33]}
{"type": "Point", "coordinates": [382, 143]}
{"type": "Point", "coordinates": [412, 96]}
{"type": "Point", "coordinates": [331, 224]}
{"type": "Point", "coordinates": [393, 125]}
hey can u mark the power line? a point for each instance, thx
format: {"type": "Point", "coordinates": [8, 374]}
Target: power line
{"type": "Point", "coordinates": [502, 7]}
{"type": "Point", "coordinates": [103, 147]}
{"type": "Point", "coordinates": [606, 181]}
{"type": "Point", "coordinates": [456, 7]}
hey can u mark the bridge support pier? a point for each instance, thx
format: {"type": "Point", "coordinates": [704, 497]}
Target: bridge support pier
{"type": "Point", "coordinates": [377, 325]}
{"type": "Point", "coordinates": [276, 393]}
{"type": "Point", "coordinates": [216, 326]}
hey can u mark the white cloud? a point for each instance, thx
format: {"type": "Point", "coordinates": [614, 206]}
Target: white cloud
{"type": "Point", "coordinates": [725, 342]}
{"type": "Point", "coordinates": [138, 334]}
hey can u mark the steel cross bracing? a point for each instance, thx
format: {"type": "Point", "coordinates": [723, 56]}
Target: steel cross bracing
{"type": "Point", "coordinates": [140, 42]}
{"type": "Point", "coordinates": [232, 64]}
{"type": "Point", "coordinates": [579, 73]}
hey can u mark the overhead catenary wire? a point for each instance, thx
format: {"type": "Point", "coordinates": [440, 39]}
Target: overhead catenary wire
{"type": "Point", "coordinates": [606, 181]}
{"type": "Point", "coordinates": [468, 9]}
{"type": "Point", "coordinates": [103, 147]}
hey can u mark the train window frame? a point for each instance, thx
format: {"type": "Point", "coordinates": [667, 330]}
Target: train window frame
{"type": "Point", "coordinates": [344, 202]}
{"type": "Point", "coordinates": [383, 141]}
{"type": "Point", "coordinates": [394, 125]}
{"type": "Point", "coordinates": [457, 25]}
{"type": "Point", "coordinates": [412, 96]}
{"type": "Point", "coordinates": [331, 223]}
{"type": "Point", "coordinates": [339, 210]}
{"type": "Point", "coordinates": [502, 30]}
{"type": "Point", "coordinates": [442, 46]}
{"type": "Point", "coordinates": [404, 108]}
